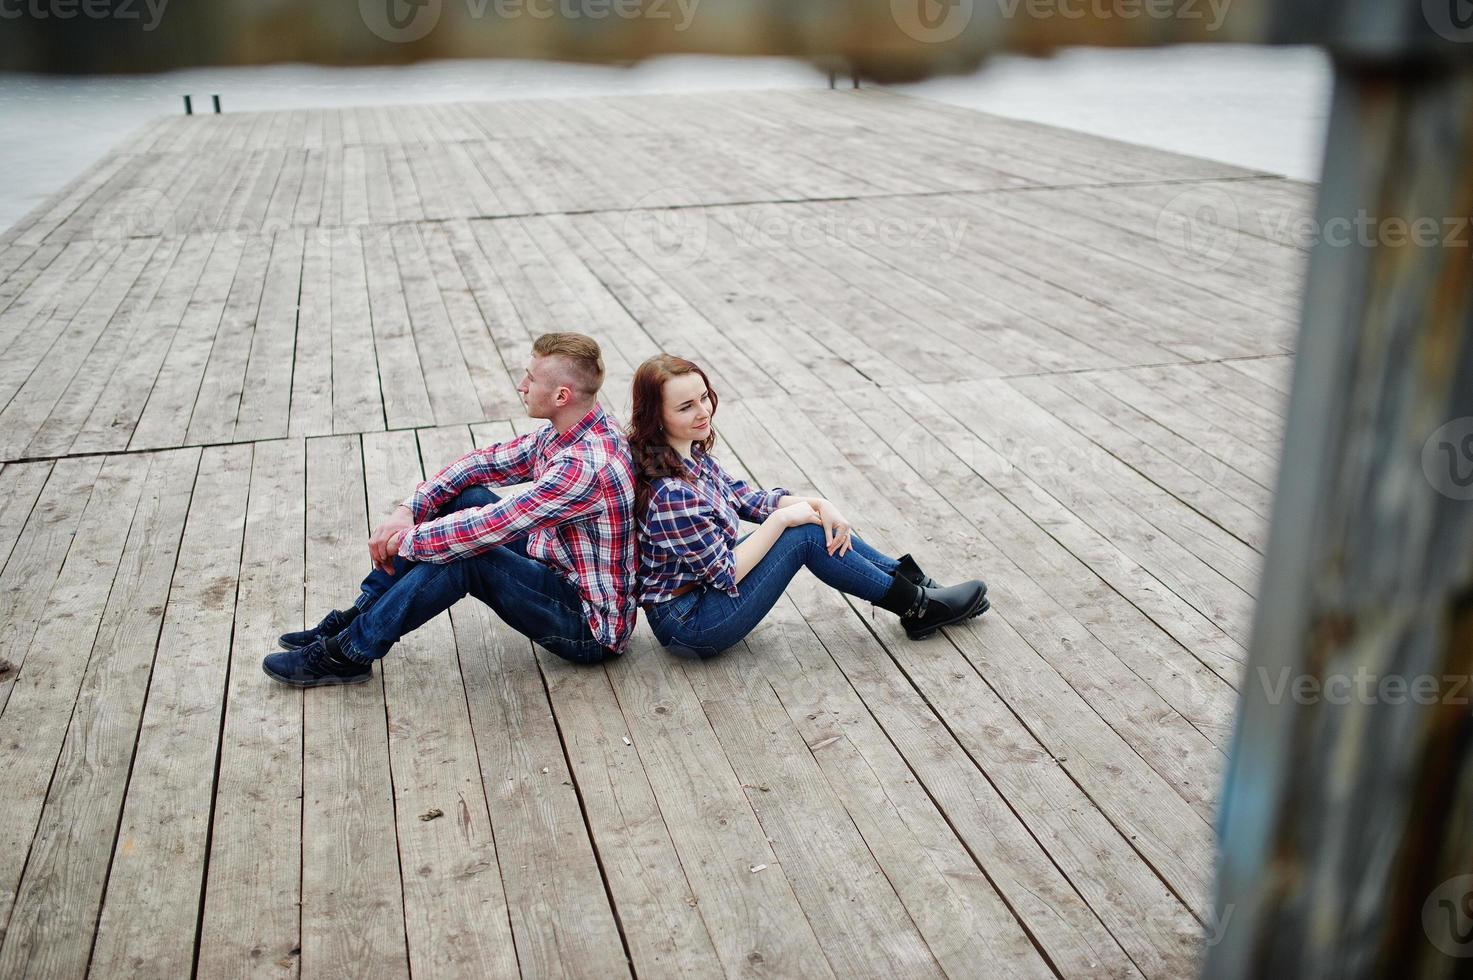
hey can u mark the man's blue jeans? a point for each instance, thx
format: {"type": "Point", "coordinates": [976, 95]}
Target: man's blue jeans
{"type": "Point", "coordinates": [533, 599]}
{"type": "Point", "coordinates": [702, 623]}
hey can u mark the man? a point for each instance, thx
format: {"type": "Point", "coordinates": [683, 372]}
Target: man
{"type": "Point", "coordinates": [557, 563]}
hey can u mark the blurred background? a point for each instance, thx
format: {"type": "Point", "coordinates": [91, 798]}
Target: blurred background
{"type": "Point", "coordinates": [1258, 107]}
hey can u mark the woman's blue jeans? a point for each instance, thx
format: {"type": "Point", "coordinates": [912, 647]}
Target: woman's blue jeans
{"type": "Point", "coordinates": [703, 622]}
{"type": "Point", "coordinates": [531, 597]}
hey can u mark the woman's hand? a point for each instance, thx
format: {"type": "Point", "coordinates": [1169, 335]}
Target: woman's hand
{"type": "Point", "coordinates": [794, 514]}
{"type": "Point", "coordinates": [836, 530]}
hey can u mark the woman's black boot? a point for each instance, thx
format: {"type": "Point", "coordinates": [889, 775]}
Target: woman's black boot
{"type": "Point", "coordinates": [923, 611]}
{"type": "Point", "coordinates": [910, 571]}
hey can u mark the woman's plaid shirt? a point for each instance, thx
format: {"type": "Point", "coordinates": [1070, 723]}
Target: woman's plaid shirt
{"type": "Point", "coordinates": [577, 515]}
{"type": "Point", "coordinates": [690, 528]}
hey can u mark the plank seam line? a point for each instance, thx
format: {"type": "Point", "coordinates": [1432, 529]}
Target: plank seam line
{"type": "Point", "coordinates": [832, 199]}
{"type": "Point", "coordinates": [92, 649]}
{"type": "Point", "coordinates": [1001, 795]}
{"type": "Point", "coordinates": [583, 810]}
{"type": "Point", "coordinates": [859, 834]}
{"type": "Point", "coordinates": [142, 709]}
{"type": "Point", "coordinates": [1031, 734]}
{"type": "Point", "coordinates": [941, 810]}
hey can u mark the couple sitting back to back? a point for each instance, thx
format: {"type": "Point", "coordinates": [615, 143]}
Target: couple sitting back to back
{"type": "Point", "coordinates": [609, 522]}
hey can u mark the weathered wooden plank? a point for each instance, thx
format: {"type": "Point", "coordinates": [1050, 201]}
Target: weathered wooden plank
{"type": "Point", "coordinates": [561, 918]}
{"type": "Point", "coordinates": [1244, 523]}
{"type": "Point", "coordinates": [216, 405]}
{"type": "Point", "coordinates": [150, 910]}
{"type": "Point", "coordinates": [54, 915]}
{"type": "Point", "coordinates": [37, 556]}
{"type": "Point", "coordinates": [19, 277]}
{"type": "Point", "coordinates": [454, 905]}
{"type": "Point", "coordinates": [21, 358]}
{"type": "Point", "coordinates": [123, 394]}
{"type": "Point", "coordinates": [20, 486]}
{"type": "Point", "coordinates": [76, 403]}
{"type": "Point", "coordinates": [1148, 821]}
{"type": "Point", "coordinates": [352, 897]}
{"type": "Point", "coordinates": [164, 418]}
{"type": "Point", "coordinates": [400, 371]}
{"type": "Point", "coordinates": [357, 401]}
{"type": "Point", "coordinates": [755, 920]}
{"type": "Point", "coordinates": [266, 389]}
{"type": "Point", "coordinates": [251, 920]}
{"type": "Point", "coordinates": [40, 698]}
{"type": "Point", "coordinates": [658, 915]}
{"type": "Point", "coordinates": [1143, 534]}
{"type": "Point", "coordinates": [311, 361]}
{"type": "Point", "coordinates": [447, 378]}
{"type": "Point", "coordinates": [494, 379]}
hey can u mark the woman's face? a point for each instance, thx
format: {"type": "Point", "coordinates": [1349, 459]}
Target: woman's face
{"type": "Point", "coordinates": [685, 410]}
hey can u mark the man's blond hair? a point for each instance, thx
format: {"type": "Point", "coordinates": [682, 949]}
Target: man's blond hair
{"type": "Point", "coordinates": [581, 356]}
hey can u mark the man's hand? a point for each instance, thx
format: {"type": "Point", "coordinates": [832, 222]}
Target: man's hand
{"type": "Point", "coordinates": [383, 546]}
{"type": "Point", "coordinates": [837, 533]}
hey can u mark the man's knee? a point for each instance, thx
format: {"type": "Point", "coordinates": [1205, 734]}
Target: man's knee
{"type": "Point", "coordinates": [469, 498]}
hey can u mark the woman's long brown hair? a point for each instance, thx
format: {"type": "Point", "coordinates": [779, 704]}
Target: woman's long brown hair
{"type": "Point", "coordinates": [653, 457]}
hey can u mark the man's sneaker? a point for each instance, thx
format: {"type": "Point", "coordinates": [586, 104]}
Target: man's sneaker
{"type": "Point", "coordinates": [332, 624]}
{"type": "Point", "coordinates": [315, 665]}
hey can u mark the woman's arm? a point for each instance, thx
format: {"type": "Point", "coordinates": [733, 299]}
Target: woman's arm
{"type": "Point", "coordinates": [756, 545]}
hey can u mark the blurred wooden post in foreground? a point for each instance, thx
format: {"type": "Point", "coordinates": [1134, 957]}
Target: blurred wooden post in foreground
{"type": "Point", "coordinates": [1347, 821]}
{"type": "Point", "coordinates": [1348, 811]}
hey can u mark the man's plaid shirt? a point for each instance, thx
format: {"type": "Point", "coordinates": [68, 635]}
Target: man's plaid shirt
{"type": "Point", "coordinates": [689, 529]}
{"type": "Point", "coordinates": [577, 515]}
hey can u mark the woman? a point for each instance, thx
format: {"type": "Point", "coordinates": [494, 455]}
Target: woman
{"type": "Point", "coordinates": [702, 588]}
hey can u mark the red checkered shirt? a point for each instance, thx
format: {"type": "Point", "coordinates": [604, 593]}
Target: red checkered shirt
{"type": "Point", "coordinates": [577, 515]}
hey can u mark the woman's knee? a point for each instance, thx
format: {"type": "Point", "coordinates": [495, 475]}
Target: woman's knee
{"type": "Point", "coordinates": [805, 535]}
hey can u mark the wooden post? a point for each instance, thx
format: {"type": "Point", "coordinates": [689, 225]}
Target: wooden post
{"type": "Point", "coordinates": [188, 106]}
{"type": "Point", "coordinates": [216, 100]}
{"type": "Point", "coordinates": [1347, 820]}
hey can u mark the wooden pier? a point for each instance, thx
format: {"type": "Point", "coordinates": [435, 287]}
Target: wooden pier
{"type": "Point", "coordinates": [1047, 359]}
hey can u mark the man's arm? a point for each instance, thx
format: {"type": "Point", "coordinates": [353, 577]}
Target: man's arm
{"type": "Point", "coordinates": [496, 465]}
{"type": "Point", "coordinates": [503, 462]}
{"type": "Point", "coordinates": [567, 491]}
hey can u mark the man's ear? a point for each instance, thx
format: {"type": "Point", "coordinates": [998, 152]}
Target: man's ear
{"type": "Point", "coordinates": [564, 395]}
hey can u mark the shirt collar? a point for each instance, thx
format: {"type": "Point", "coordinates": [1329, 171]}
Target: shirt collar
{"type": "Point", "coordinates": [698, 458]}
{"type": "Point", "coordinates": [594, 417]}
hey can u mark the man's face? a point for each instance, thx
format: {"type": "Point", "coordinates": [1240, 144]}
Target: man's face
{"type": "Point", "coordinates": [539, 388]}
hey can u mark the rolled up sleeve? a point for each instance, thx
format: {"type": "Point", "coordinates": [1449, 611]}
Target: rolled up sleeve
{"type": "Point", "coordinates": [496, 465]}
{"type": "Point", "coordinates": [752, 503]}
{"type": "Point", "coordinates": [566, 491]}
